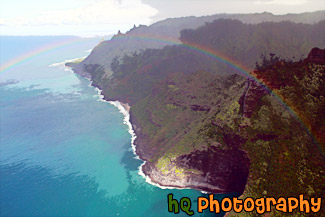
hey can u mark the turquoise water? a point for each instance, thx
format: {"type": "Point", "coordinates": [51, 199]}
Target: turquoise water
{"type": "Point", "coordinates": [63, 152]}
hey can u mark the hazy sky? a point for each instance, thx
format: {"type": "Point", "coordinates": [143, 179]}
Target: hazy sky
{"type": "Point", "coordinates": [104, 17]}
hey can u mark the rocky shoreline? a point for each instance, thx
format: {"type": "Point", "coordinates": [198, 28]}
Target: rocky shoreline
{"type": "Point", "coordinates": [150, 172]}
{"type": "Point", "coordinates": [125, 109]}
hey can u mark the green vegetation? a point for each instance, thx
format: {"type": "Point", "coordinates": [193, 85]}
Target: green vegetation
{"type": "Point", "coordinates": [291, 163]}
{"type": "Point", "coordinates": [195, 119]}
{"type": "Point", "coordinates": [135, 74]}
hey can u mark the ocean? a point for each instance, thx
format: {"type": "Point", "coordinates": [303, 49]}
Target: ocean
{"type": "Point", "coordinates": [63, 151]}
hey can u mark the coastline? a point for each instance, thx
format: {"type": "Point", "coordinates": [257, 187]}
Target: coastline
{"type": "Point", "coordinates": [149, 172]}
{"type": "Point", "coordinates": [124, 109]}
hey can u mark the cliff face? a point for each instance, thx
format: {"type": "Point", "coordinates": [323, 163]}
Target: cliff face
{"type": "Point", "coordinates": [210, 132]}
{"type": "Point", "coordinates": [316, 55]}
{"type": "Point", "coordinates": [285, 138]}
{"type": "Point", "coordinates": [181, 139]}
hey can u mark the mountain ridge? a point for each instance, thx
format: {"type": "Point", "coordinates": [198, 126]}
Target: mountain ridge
{"type": "Point", "coordinates": [170, 28]}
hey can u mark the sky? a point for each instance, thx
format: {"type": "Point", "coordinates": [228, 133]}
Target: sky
{"type": "Point", "coordinates": [106, 17]}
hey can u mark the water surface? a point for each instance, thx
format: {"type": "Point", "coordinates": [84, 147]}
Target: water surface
{"type": "Point", "coordinates": [63, 152]}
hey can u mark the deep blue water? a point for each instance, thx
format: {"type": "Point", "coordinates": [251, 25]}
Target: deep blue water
{"type": "Point", "coordinates": [63, 152]}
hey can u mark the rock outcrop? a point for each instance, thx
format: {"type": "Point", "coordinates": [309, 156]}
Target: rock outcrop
{"type": "Point", "coordinates": [316, 55]}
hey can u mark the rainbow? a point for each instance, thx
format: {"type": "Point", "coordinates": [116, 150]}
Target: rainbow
{"type": "Point", "coordinates": [38, 51]}
{"type": "Point", "coordinates": [238, 66]}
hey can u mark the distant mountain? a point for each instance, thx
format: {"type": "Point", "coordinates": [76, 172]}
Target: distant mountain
{"type": "Point", "coordinates": [167, 32]}
{"type": "Point", "coordinates": [135, 75]}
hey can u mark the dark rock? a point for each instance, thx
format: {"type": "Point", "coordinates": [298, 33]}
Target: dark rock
{"type": "Point", "coordinates": [202, 108]}
{"type": "Point", "coordinates": [227, 169]}
{"type": "Point", "coordinates": [316, 55]}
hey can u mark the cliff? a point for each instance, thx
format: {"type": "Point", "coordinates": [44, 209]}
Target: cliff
{"type": "Point", "coordinates": [316, 55]}
{"type": "Point", "coordinates": [179, 136]}
{"type": "Point", "coordinates": [285, 131]}
{"type": "Point", "coordinates": [202, 124]}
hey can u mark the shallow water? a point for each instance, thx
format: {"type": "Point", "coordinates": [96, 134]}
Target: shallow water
{"type": "Point", "coordinates": [63, 152]}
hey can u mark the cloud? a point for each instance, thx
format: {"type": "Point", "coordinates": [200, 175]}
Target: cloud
{"type": "Point", "coordinates": [96, 13]}
{"type": "Point", "coordinates": [281, 2]}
